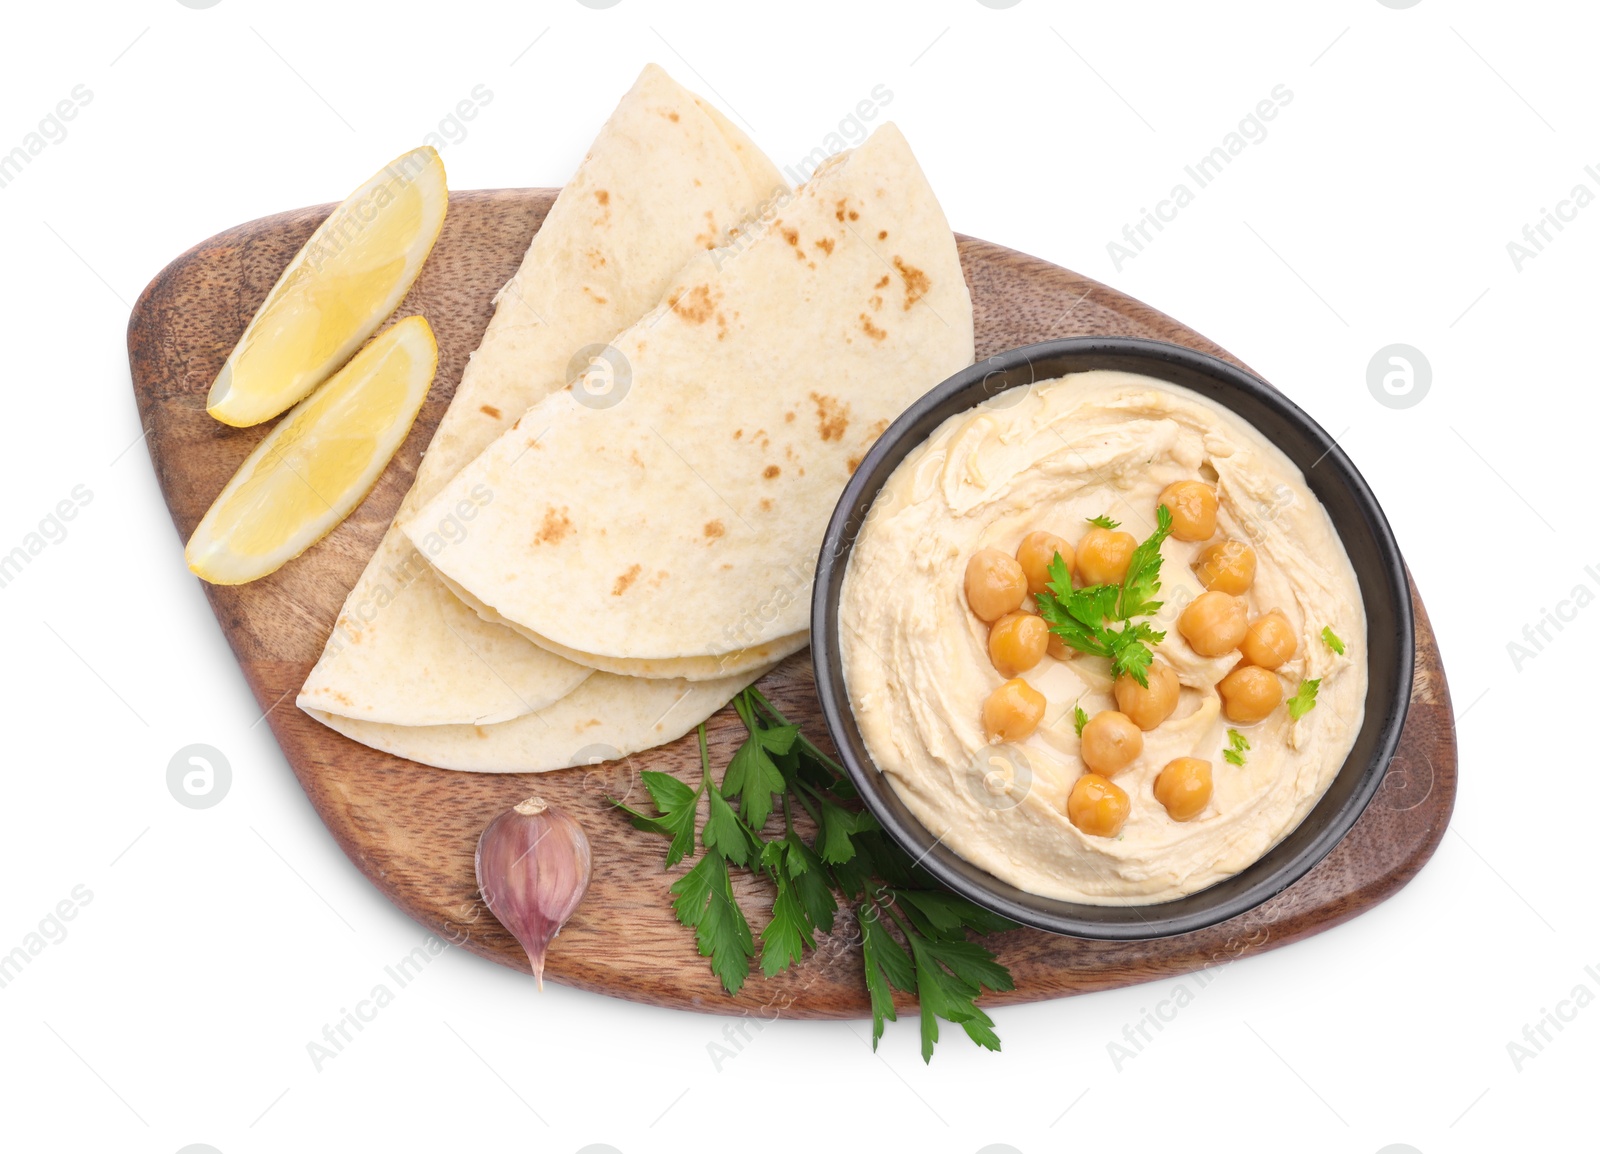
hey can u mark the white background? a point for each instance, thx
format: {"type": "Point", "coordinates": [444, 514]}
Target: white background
{"type": "Point", "coordinates": [218, 943]}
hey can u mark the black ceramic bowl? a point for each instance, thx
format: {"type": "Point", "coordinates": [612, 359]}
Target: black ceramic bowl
{"type": "Point", "coordinates": [1361, 526]}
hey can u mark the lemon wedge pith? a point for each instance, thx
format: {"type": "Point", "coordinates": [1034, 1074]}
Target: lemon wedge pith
{"type": "Point", "coordinates": [319, 462]}
{"type": "Point", "coordinates": [337, 290]}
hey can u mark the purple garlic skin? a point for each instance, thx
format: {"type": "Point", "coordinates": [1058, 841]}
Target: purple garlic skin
{"type": "Point", "coordinates": [533, 869]}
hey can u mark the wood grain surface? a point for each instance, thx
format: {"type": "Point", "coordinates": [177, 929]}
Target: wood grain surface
{"type": "Point", "coordinates": [412, 829]}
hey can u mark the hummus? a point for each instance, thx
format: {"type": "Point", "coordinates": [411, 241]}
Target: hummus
{"type": "Point", "coordinates": [918, 671]}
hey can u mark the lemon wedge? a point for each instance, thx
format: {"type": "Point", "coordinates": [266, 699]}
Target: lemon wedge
{"type": "Point", "coordinates": [320, 461]}
{"type": "Point", "coordinates": [337, 290]}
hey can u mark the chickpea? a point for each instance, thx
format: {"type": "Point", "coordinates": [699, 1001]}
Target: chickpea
{"type": "Point", "coordinates": [1096, 806]}
{"type": "Point", "coordinates": [1013, 712]}
{"type": "Point", "coordinates": [1035, 554]}
{"type": "Point", "coordinates": [1228, 566]}
{"type": "Point", "coordinates": [1184, 787]}
{"type": "Point", "coordinates": [995, 584]}
{"type": "Point", "coordinates": [1059, 649]}
{"type": "Point", "coordinates": [1103, 556]}
{"type": "Point", "coordinates": [1148, 707]}
{"type": "Point", "coordinates": [1193, 507]}
{"type": "Point", "coordinates": [1110, 742]}
{"type": "Point", "coordinates": [1249, 694]}
{"type": "Point", "coordinates": [1017, 642]}
{"type": "Point", "coordinates": [1214, 624]}
{"type": "Point", "coordinates": [1269, 641]}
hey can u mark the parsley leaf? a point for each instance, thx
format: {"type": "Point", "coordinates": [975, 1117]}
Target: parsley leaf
{"type": "Point", "coordinates": [942, 915]}
{"type": "Point", "coordinates": [1077, 616]}
{"type": "Point", "coordinates": [691, 891]}
{"type": "Point", "coordinates": [753, 774]}
{"type": "Point", "coordinates": [1143, 579]}
{"type": "Point", "coordinates": [1332, 641]}
{"type": "Point", "coordinates": [887, 965]}
{"type": "Point", "coordinates": [1079, 719]}
{"type": "Point", "coordinates": [703, 900]}
{"type": "Point", "coordinates": [812, 888]}
{"type": "Point", "coordinates": [676, 802]}
{"type": "Point", "coordinates": [723, 832]}
{"type": "Point", "coordinates": [1237, 744]}
{"type": "Point", "coordinates": [1304, 699]}
{"type": "Point", "coordinates": [1130, 654]}
{"type": "Point", "coordinates": [1103, 521]}
{"type": "Point", "coordinates": [723, 934]}
{"type": "Point", "coordinates": [838, 825]}
{"type": "Point", "coordinates": [950, 975]}
{"type": "Point", "coordinates": [788, 935]}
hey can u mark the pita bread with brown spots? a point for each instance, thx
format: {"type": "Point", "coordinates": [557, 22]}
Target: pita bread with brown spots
{"type": "Point", "coordinates": [687, 515]}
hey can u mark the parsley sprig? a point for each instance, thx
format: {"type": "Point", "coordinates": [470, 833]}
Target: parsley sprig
{"type": "Point", "coordinates": [1084, 618]}
{"type": "Point", "coordinates": [914, 933]}
{"type": "Point", "coordinates": [1304, 699]}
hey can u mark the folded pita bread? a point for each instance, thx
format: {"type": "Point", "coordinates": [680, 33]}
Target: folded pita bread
{"type": "Point", "coordinates": [681, 523]}
{"type": "Point", "coordinates": [605, 718]}
{"type": "Point", "coordinates": [689, 668]}
{"type": "Point", "coordinates": [668, 176]}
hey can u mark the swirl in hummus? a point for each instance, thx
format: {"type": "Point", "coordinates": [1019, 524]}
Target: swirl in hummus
{"type": "Point", "coordinates": [919, 665]}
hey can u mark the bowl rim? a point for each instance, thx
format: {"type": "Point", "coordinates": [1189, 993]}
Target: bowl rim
{"type": "Point", "coordinates": [964, 391]}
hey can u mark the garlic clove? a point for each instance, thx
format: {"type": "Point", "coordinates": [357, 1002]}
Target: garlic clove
{"type": "Point", "coordinates": [533, 866]}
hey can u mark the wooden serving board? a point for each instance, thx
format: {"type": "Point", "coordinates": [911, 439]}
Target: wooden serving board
{"type": "Point", "coordinates": [412, 829]}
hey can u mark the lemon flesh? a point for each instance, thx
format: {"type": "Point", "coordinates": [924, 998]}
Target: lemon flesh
{"type": "Point", "coordinates": [337, 290]}
{"type": "Point", "coordinates": [314, 468]}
